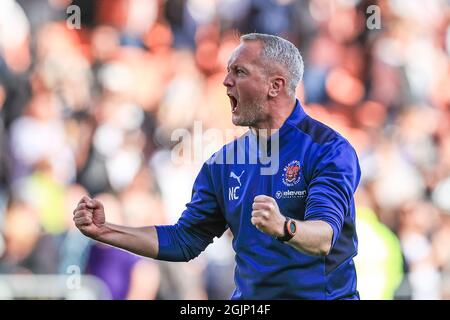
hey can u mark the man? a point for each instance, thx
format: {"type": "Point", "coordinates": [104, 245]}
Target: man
{"type": "Point", "coordinates": [298, 246]}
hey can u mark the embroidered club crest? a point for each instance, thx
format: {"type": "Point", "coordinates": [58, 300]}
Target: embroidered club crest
{"type": "Point", "coordinates": [291, 174]}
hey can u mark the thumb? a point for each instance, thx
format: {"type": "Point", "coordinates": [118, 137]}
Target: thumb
{"type": "Point", "coordinates": [94, 204]}
{"type": "Point", "coordinates": [84, 199]}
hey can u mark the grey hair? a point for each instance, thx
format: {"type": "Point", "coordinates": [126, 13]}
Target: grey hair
{"type": "Point", "coordinates": [284, 53]}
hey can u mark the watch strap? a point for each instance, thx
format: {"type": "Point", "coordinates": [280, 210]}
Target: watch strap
{"type": "Point", "coordinates": [287, 235]}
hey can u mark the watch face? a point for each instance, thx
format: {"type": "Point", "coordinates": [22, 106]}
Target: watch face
{"type": "Point", "coordinates": [292, 227]}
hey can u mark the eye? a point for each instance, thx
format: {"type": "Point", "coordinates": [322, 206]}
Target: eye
{"type": "Point", "coordinates": [240, 72]}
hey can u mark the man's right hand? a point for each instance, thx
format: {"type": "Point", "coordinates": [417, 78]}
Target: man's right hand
{"type": "Point", "coordinates": [89, 217]}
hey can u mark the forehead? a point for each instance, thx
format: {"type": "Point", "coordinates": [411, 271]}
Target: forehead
{"type": "Point", "coordinates": [246, 53]}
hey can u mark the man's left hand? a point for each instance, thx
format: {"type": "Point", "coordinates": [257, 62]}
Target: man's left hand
{"type": "Point", "coordinates": [266, 216]}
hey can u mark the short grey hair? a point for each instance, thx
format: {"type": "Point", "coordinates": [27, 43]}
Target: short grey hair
{"type": "Point", "coordinates": [284, 53]}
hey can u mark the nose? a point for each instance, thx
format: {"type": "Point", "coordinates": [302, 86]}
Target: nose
{"type": "Point", "coordinates": [228, 81]}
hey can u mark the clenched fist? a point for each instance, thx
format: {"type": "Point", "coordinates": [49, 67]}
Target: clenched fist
{"type": "Point", "coordinates": [89, 217]}
{"type": "Point", "coordinates": [266, 216]}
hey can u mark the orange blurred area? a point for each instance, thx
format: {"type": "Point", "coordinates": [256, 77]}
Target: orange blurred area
{"type": "Point", "coordinates": [99, 110]}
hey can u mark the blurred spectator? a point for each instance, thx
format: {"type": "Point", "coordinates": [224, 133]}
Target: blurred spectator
{"type": "Point", "coordinates": [440, 241]}
{"type": "Point", "coordinates": [417, 221]}
{"type": "Point", "coordinates": [27, 249]}
{"type": "Point", "coordinates": [14, 36]}
{"type": "Point", "coordinates": [379, 263]}
{"type": "Point", "coordinates": [39, 136]}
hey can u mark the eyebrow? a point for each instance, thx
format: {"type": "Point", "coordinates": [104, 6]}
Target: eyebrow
{"type": "Point", "coordinates": [235, 66]}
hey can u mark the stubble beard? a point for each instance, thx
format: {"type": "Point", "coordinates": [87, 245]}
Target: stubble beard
{"type": "Point", "coordinates": [250, 114]}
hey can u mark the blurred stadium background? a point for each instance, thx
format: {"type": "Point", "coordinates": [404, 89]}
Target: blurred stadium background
{"type": "Point", "coordinates": [92, 110]}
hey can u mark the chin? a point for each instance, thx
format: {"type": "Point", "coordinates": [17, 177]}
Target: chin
{"type": "Point", "coordinates": [240, 122]}
{"type": "Point", "coordinates": [235, 120]}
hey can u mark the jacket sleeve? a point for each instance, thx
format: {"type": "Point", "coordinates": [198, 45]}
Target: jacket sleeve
{"type": "Point", "coordinates": [200, 222]}
{"type": "Point", "coordinates": [334, 179]}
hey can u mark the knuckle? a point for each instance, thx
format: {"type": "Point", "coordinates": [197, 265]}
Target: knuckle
{"type": "Point", "coordinates": [83, 214]}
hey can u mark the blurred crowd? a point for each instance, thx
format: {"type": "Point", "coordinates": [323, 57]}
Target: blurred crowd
{"type": "Point", "coordinates": [93, 111]}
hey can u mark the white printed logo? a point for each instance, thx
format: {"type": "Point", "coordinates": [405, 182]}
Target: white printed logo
{"type": "Point", "coordinates": [238, 178]}
{"type": "Point", "coordinates": [232, 191]}
{"type": "Point", "coordinates": [290, 194]}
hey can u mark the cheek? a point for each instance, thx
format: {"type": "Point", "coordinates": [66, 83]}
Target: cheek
{"type": "Point", "coordinates": [251, 89]}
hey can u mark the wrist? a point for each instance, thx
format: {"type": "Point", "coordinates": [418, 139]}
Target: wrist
{"type": "Point", "coordinates": [280, 228]}
{"type": "Point", "coordinates": [103, 231]}
{"type": "Point", "coordinates": [290, 229]}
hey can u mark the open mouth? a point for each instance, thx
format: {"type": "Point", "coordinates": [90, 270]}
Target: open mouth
{"type": "Point", "coordinates": [234, 103]}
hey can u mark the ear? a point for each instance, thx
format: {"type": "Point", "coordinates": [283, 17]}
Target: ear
{"type": "Point", "coordinates": [277, 85]}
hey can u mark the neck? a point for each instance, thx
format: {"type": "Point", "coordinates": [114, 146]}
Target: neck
{"type": "Point", "coordinates": [278, 111]}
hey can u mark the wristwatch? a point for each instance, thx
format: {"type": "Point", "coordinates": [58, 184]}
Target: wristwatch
{"type": "Point", "coordinates": [290, 228]}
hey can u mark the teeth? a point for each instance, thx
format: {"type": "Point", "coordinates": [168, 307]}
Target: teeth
{"type": "Point", "coordinates": [233, 103]}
